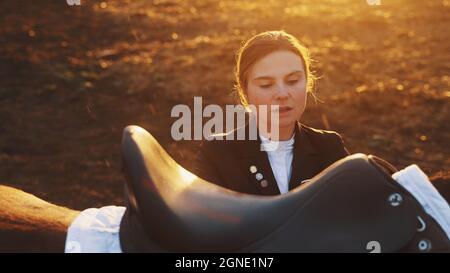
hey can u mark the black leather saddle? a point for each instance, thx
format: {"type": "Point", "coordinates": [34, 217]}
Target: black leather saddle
{"type": "Point", "coordinates": [352, 206]}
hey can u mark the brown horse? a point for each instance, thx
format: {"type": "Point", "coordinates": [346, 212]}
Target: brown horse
{"type": "Point", "coordinates": [30, 224]}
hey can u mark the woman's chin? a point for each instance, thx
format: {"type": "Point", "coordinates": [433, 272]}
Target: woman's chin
{"type": "Point", "coordinates": [286, 122]}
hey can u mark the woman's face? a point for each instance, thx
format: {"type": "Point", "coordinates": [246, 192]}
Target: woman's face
{"type": "Point", "coordinates": [279, 79]}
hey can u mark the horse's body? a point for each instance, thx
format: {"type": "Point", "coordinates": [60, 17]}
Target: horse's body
{"type": "Point", "coordinates": [30, 224]}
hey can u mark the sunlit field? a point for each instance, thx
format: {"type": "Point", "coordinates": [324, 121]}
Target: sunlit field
{"type": "Point", "coordinates": [72, 77]}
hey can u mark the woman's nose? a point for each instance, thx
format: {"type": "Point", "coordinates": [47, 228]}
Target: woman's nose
{"type": "Point", "coordinates": [282, 91]}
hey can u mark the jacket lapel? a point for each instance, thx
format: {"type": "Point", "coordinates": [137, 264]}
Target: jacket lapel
{"type": "Point", "coordinates": [255, 163]}
{"type": "Point", "coordinates": [306, 162]}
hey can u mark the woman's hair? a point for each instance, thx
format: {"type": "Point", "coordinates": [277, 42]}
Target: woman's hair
{"type": "Point", "coordinates": [260, 46]}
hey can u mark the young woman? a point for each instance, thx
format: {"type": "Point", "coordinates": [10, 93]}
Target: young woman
{"type": "Point", "coordinates": [272, 69]}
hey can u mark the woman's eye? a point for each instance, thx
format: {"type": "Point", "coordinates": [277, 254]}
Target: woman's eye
{"type": "Point", "coordinates": [265, 85]}
{"type": "Point", "coordinates": [292, 82]}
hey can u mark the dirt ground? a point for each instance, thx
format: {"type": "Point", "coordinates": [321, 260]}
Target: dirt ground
{"type": "Point", "coordinates": [72, 77]}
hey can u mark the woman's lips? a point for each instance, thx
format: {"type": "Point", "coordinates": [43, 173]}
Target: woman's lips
{"type": "Point", "coordinates": [284, 109]}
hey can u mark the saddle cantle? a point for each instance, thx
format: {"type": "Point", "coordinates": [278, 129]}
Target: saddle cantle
{"type": "Point", "coordinates": [351, 206]}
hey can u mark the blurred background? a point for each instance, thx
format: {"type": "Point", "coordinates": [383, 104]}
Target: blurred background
{"type": "Point", "coordinates": [72, 77]}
